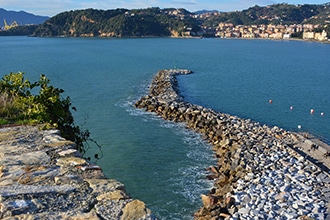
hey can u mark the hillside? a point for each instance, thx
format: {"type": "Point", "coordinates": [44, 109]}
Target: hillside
{"type": "Point", "coordinates": [174, 22]}
{"type": "Point", "coordinates": [21, 17]}
{"type": "Point", "coordinates": [119, 23]}
{"type": "Point", "coordinates": [168, 22]}
{"type": "Point", "coordinates": [285, 14]}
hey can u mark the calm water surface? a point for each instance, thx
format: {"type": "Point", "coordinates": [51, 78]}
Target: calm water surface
{"type": "Point", "coordinates": [160, 162]}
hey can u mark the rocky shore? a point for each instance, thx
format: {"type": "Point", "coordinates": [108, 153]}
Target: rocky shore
{"type": "Point", "coordinates": [261, 172]}
{"type": "Point", "coordinates": [42, 176]}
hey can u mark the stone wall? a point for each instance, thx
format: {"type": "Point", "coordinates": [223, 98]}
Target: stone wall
{"type": "Point", "coordinates": [42, 176]}
{"type": "Point", "coordinates": [246, 152]}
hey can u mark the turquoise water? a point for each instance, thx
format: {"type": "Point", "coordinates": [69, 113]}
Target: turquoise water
{"type": "Point", "coordinates": [160, 162]}
{"type": "Point", "coordinates": [248, 74]}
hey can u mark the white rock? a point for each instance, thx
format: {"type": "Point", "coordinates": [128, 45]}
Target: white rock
{"type": "Point", "coordinates": [316, 208]}
{"type": "Point", "coordinates": [244, 211]}
{"type": "Point", "coordinates": [259, 186]}
{"type": "Point", "coordinates": [300, 203]}
{"type": "Point", "coordinates": [20, 204]}
{"type": "Point", "coordinates": [291, 215]}
{"type": "Point", "coordinates": [295, 206]}
{"type": "Point", "coordinates": [245, 199]}
{"type": "Point", "coordinates": [263, 195]}
{"type": "Point", "coordinates": [308, 207]}
{"type": "Point", "coordinates": [301, 159]}
{"type": "Point", "coordinates": [254, 212]}
{"type": "Point", "coordinates": [302, 212]}
{"type": "Point", "coordinates": [66, 152]}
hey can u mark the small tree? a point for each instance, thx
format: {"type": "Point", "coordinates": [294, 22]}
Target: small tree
{"type": "Point", "coordinates": [23, 102]}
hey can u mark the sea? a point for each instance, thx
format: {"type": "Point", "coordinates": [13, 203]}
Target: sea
{"type": "Point", "coordinates": [273, 82]}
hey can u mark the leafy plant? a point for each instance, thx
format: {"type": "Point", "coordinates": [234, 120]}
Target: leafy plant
{"type": "Point", "coordinates": [23, 102]}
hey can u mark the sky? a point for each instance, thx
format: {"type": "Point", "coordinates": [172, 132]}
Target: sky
{"type": "Point", "coordinates": [53, 7]}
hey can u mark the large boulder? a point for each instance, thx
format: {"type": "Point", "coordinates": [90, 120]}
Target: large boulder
{"type": "Point", "coordinates": [135, 210]}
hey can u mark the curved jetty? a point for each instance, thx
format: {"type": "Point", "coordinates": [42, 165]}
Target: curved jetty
{"type": "Point", "coordinates": [262, 172]}
{"type": "Point", "coordinates": [42, 176]}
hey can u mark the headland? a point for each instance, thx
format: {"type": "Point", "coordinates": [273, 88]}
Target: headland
{"type": "Point", "coordinates": [261, 172]}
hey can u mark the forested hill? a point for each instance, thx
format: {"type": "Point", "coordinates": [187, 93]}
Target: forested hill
{"type": "Point", "coordinates": [285, 14]}
{"type": "Point", "coordinates": [174, 22]}
{"type": "Point", "coordinates": [119, 23]}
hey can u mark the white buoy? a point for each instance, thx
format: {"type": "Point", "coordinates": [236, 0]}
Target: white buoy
{"type": "Point", "coordinates": [299, 127]}
{"type": "Point", "coordinates": [322, 114]}
{"type": "Point", "coordinates": [312, 111]}
{"type": "Point", "coordinates": [291, 107]}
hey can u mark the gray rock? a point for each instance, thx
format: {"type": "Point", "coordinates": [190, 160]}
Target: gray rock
{"type": "Point", "coordinates": [266, 155]}
{"type": "Point", "coordinates": [42, 176]}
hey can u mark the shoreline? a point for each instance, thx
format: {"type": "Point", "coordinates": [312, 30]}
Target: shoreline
{"type": "Point", "coordinates": [273, 39]}
{"type": "Point", "coordinates": [251, 159]}
{"type": "Point", "coordinates": [181, 37]}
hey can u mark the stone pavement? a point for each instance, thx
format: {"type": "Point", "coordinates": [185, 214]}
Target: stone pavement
{"type": "Point", "coordinates": [305, 143]}
{"type": "Point", "coordinates": [43, 176]}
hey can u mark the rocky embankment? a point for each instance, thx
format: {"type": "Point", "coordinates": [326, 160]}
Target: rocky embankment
{"type": "Point", "coordinates": [259, 174]}
{"type": "Point", "coordinates": [42, 176]}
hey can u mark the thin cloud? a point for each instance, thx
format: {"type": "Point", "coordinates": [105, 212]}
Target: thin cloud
{"type": "Point", "coordinates": [184, 2]}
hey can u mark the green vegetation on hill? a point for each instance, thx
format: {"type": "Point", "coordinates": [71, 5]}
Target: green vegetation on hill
{"type": "Point", "coordinates": [273, 14]}
{"type": "Point", "coordinates": [170, 22]}
{"type": "Point", "coordinates": [118, 23]}
{"type": "Point", "coordinates": [173, 22]}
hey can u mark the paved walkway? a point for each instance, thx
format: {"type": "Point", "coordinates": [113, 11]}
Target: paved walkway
{"type": "Point", "coordinates": [315, 154]}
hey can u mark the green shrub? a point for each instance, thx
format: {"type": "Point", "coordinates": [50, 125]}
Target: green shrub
{"type": "Point", "coordinates": [6, 107]}
{"type": "Point", "coordinates": [23, 102]}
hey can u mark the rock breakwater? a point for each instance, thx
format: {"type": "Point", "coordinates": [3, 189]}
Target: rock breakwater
{"type": "Point", "coordinates": [42, 176]}
{"type": "Point", "coordinates": [259, 174]}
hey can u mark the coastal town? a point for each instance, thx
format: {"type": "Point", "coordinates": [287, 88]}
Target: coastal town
{"type": "Point", "coordinates": [309, 31]}
{"type": "Point", "coordinates": [268, 27]}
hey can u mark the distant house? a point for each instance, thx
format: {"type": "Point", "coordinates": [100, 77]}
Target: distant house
{"type": "Point", "coordinates": [278, 35]}
{"type": "Point", "coordinates": [286, 36]}
{"type": "Point", "coordinates": [308, 35]}
{"type": "Point", "coordinates": [321, 36]}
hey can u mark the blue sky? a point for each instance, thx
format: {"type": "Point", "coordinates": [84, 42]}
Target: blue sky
{"type": "Point", "coordinates": [53, 7]}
